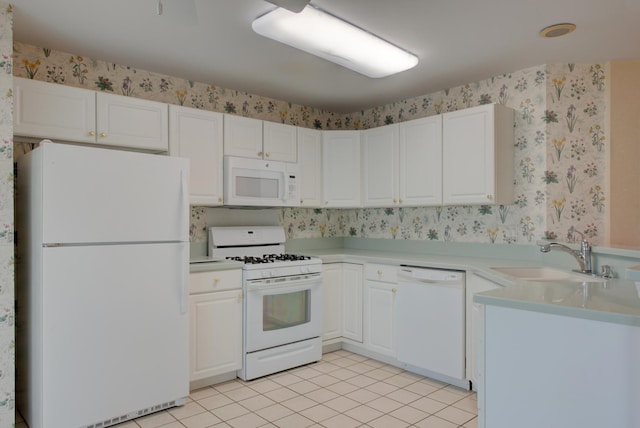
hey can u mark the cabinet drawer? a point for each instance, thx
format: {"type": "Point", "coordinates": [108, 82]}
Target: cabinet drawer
{"type": "Point", "coordinates": [384, 273]}
{"type": "Point", "coordinates": [205, 282]}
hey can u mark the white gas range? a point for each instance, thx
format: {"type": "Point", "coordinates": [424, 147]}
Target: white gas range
{"type": "Point", "coordinates": [283, 299]}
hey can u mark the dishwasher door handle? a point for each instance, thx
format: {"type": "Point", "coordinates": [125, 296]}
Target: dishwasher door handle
{"type": "Point", "coordinates": [409, 280]}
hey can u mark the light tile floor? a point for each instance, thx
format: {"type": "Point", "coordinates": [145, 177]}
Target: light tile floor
{"type": "Point", "coordinates": [344, 390]}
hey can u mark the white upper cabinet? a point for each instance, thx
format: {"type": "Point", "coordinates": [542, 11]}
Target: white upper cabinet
{"type": "Point", "coordinates": [253, 138]}
{"type": "Point", "coordinates": [242, 136]}
{"type": "Point", "coordinates": [132, 122]}
{"type": "Point", "coordinates": [310, 167]}
{"type": "Point", "coordinates": [402, 164]}
{"type": "Point", "coordinates": [478, 155]}
{"type": "Point", "coordinates": [280, 142]}
{"type": "Point", "coordinates": [65, 113]}
{"type": "Point", "coordinates": [57, 112]}
{"type": "Point", "coordinates": [197, 135]}
{"type": "Point", "coordinates": [341, 169]}
{"type": "Point", "coordinates": [380, 166]}
{"type": "Point", "coordinates": [420, 162]}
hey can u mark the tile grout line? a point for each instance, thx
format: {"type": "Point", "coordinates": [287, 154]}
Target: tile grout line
{"type": "Point", "coordinates": [246, 418]}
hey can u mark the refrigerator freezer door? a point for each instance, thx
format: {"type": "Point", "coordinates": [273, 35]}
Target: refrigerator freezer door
{"type": "Point", "coordinates": [99, 195]}
{"type": "Point", "coordinates": [115, 339]}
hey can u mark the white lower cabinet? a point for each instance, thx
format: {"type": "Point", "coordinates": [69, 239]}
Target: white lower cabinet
{"type": "Point", "coordinates": [215, 305]}
{"type": "Point", "coordinates": [475, 284]}
{"type": "Point", "coordinates": [379, 306]}
{"type": "Point", "coordinates": [332, 301]}
{"type": "Point", "coordinates": [352, 302]}
{"type": "Point", "coordinates": [342, 295]}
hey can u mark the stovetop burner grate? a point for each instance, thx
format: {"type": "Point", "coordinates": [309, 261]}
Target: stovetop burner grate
{"type": "Point", "coordinates": [269, 258]}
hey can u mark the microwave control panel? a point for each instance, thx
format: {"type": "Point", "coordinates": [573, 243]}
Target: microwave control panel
{"type": "Point", "coordinates": [292, 189]}
{"type": "Point", "coordinates": [291, 171]}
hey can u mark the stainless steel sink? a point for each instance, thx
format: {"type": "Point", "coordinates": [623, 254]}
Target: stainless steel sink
{"type": "Point", "coordinates": [546, 274]}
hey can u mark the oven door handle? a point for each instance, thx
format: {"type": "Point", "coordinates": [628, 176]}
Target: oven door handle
{"type": "Point", "coordinates": [265, 287]}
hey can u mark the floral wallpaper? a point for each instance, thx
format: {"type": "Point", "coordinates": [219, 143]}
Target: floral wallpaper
{"type": "Point", "coordinates": [560, 146]}
{"type": "Point", "coordinates": [560, 165]}
{"type": "Point", "coordinates": [7, 313]}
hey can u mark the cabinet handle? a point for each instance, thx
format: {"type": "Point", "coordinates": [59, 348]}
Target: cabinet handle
{"type": "Point", "coordinates": [380, 272]}
{"type": "Point", "coordinates": [490, 197]}
{"type": "Point", "coordinates": [395, 200]}
{"type": "Point", "coordinates": [301, 201]}
{"type": "Point", "coordinates": [219, 198]}
{"type": "Point", "coordinates": [92, 133]}
{"type": "Point", "coordinates": [267, 154]}
{"type": "Point", "coordinates": [260, 154]}
{"type": "Point", "coordinates": [241, 296]}
{"type": "Point", "coordinates": [326, 202]}
{"type": "Point", "coordinates": [216, 281]}
{"type": "Point", "coordinates": [393, 290]}
{"type": "Point", "coordinates": [102, 134]}
{"type": "Point", "coordinates": [401, 200]}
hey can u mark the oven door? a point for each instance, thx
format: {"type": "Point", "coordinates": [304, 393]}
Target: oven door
{"type": "Point", "coordinates": [282, 310]}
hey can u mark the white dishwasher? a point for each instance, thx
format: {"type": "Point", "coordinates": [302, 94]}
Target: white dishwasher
{"type": "Point", "coordinates": [430, 320]}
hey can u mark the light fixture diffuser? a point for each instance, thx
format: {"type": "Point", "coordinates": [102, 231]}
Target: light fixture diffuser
{"type": "Point", "coordinates": [324, 35]}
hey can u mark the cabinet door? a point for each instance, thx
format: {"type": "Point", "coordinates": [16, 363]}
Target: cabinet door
{"type": "Point", "coordinates": [216, 333]}
{"type": "Point", "coordinates": [352, 302]}
{"type": "Point", "coordinates": [420, 160]}
{"type": "Point", "coordinates": [379, 317]}
{"type": "Point", "coordinates": [197, 135]}
{"type": "Point", "coordinates": [341, 168]}
{"type": "Point", "coordinates": [380, 166]}
{"type": "Point", "coordinates": [47, 110]}
{"type": "Point", "coordinates": [242, 136]}
{"type": "Point", "coordinates": [478, 156]}
{"type": "Point", "coordinates": [132, 123]}
{"type": "Point", "coordinates": [280, 142]}
{"type": "Point", "coordinates": [475, 284]}
{"type": "Point", "coordinates": [310, 167]}
{"type": "Point", "coordinates": [332, 301]}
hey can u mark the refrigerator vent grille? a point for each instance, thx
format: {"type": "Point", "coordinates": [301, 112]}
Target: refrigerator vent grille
{"type": "Point", "coordinates": [133, 415]}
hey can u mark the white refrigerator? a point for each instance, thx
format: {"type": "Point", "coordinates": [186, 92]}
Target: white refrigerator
{"type": "Point", "coordinates": [102, 326]}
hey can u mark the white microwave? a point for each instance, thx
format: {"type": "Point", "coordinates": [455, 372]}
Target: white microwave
{"type": "Point", "coordinates": [256, 182]}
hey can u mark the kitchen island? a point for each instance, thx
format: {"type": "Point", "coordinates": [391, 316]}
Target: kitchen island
{"type": "Point", "coordinates": [560, 354]}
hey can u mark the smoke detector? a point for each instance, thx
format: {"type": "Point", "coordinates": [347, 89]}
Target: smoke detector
{"type": "Point", "coordinates": [557, 30]}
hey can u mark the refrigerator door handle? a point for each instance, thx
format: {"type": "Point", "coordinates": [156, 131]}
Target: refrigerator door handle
{"type": "Point", "coordinates": [184, 192]}
{"type": "Point", "coordinates": [184, 277]}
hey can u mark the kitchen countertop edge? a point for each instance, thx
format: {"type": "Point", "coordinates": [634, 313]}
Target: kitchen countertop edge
{"type": "Point", "coordinates": [482, 267]}
{"type": "Point", "coordinates": [214, 266]}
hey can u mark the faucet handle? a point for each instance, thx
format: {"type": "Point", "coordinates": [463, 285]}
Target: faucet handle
{"type": "Point", "coordinates": [607, 272]}
{"type": "Point", "coordinates": [584, 241]}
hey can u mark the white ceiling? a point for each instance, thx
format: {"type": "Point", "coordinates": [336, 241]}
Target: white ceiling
{"type": "Point", "coordinates": [211, 41]}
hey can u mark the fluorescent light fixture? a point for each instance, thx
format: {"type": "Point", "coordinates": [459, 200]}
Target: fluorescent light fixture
{"type": "Point", "coordinates": [324, 35]}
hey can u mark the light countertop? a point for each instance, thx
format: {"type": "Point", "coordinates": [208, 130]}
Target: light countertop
{"type": "Point", "coordinates": [614, 300]}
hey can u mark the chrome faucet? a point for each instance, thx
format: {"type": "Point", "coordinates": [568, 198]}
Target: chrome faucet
{"type": "Point", "coordinates": [583, 256]}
